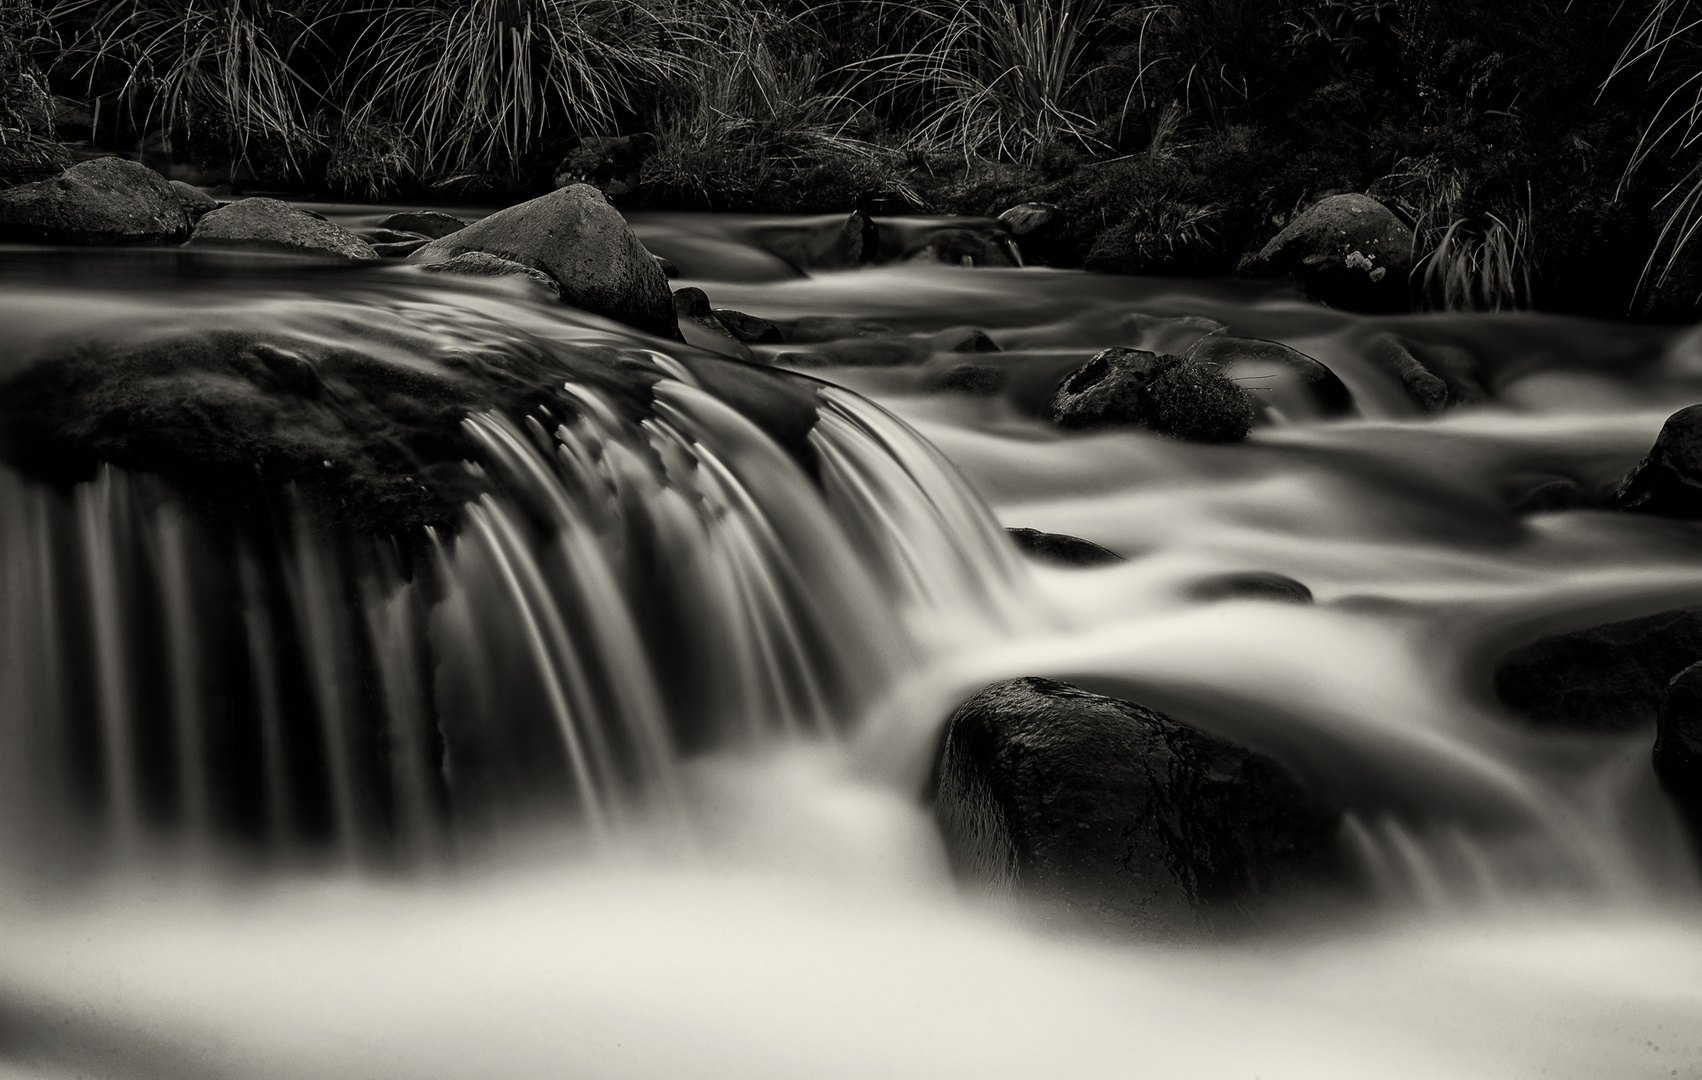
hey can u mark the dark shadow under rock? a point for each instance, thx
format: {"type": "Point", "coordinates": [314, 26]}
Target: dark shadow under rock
{"type": "Point", "coordinates": [1603, 678]}
{"type": "Point", "coordinates": [1062, 548]}
{"type": "Point", "coordinates": [1120, 818]}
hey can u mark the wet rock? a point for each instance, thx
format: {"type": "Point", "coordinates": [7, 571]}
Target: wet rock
{"type": "Point", "coordinates": [270, 225]}
{"type": "Point", "coordinates": [1283, 383]}
{"type": "Point", "coordinates": [1349, 251]}
{"type": "Point", "coordinates": [610, 163]}
{"type": "Point", "coordinates": [479, 264]}
{"type": "Point", "coordinates": [1252, 585]}
{"type": "Point", "coordinates": [1038, 229]}
{"type": "Point", "coordinates": [1678, 746]}
{"type": "Point", "coordinates": [859, 241]}
{"type": "Point", "coordinates": [1435, 377]}
{"type": "Point", "coordinates": [700, 326]}
{"type": "Point", "coordinates": [577, 238]}
{"type": "Point", "coordinates": [750, 329]}
{"type": "Point", "coordinates": [195, 202]}
{"type": "Point", "coordinates": [963, 339]}
{"type": "Point", "coordinates": [427, 223]}
{"type": "Point", "coordinates": [236, 417]}
{"type": "Point", "coordinates": [964, 247]}
{"type": "Point", "coordinates": [1604, 678]}
{"type": "Point", "coordinates": [1164, 394]}
{"type": "Point", "coordinates": [1668, 482]}
{"type": "Point", "coordinates": [980, 380]}
{"type": "Point", "coordinates": [1118, 815]}
{"type": "Point", "coordinates": [105, 201]}
{"type": "Point", "coordinates": [389, 236]}
{"type": "Point", "coordinates": [1062, 548]}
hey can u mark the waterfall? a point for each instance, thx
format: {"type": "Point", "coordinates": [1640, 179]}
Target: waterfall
{"type": "Point", "coordinates": [627, 592]}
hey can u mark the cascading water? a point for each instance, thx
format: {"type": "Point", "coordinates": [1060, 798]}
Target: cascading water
{"type": "Point", "coordinates": [615, 770]}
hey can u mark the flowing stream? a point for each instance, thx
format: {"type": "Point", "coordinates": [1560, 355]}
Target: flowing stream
{"type": "Point", "coordinates": [656, 715]}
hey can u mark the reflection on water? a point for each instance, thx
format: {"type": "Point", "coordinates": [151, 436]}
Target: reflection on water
{"type": "Point", "coordinates": [1534, 905]}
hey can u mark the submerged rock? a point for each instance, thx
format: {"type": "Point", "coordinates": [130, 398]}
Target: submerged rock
{"type": "Point", "coordinates": [1119, 815]}
{"type": "Point", "coordinates": [1603, 678]}
{"type": "Point", "coordinates": [1678, 746]}
{"type": "Point", "coordinates": [479, 264]}
{"type": "Point", "coordinates": [980, 380]}
{"type": "Point", "coordinates": [427, 223]}
{"type": "Point", "coordinates": [1668, 482]}
{"type": "Point", "coordinates": [1434, 377]}
{"type": "Point", "coordinates": [105, 201]}
{"type": "Point", "coordinates": [1252, 585]}
{"type": "Point", "coordinates": [750, 329]}
{"type": "Point", "coordinates": [1282, 383]}
{"type": "Point", "coordinates": [1165, 394]}
{"type": "Point", "coordinates": [1062, 548]}
{"type": "Point", "coordinates": [577, 238]}
{"type": "Point", "coordinates": [1349, 251]}
{"type": "Point", "coordinates": [270, 225]}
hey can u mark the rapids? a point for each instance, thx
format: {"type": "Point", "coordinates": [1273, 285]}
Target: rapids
{"type": "Point", "coordinates": [712, 859]}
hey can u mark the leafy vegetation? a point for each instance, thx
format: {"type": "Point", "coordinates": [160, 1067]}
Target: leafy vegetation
{"type": "Point", "coordinates": [1550, 155]}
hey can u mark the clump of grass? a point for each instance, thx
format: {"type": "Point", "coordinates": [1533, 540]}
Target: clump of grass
{"type": "Point", "coordinates": [1467, 261]}
{"type": "Point", "coordinates": [759, 119]}
{"type": "Point", "coordinates": [475, 83]}
{"type": "Point", "coordinates": [27, 148]}
{"type": "Point", "coordinates": [1003, 75]}
{"type": "Point", "coordinates": [223, 63]}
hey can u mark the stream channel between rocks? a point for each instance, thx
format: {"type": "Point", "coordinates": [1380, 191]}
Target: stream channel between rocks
{"type": "Point", "coordinates": [740, 876]}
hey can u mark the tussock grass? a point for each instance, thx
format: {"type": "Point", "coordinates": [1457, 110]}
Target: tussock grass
{"type": "Point", "coordinates": [475, 82]}
{"type": "Point", "coordinates": [1003, 76]}
{"type": "Point", "coordinates": [192, 60]}
{"type": "Point", "coordinates": [1467, 261]}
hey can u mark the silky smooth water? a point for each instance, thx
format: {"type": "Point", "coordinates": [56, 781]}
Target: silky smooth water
{"type": "Point", "coordinates": [773, 900]}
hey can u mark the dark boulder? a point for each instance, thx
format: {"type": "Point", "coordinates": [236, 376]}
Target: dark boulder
{"type": "Point", "coordinates": [270, 225]}
{"type": "Point", "coordinates": [963, 339]}
{"type": "Point", "coordinates": [105, 201]}
{"type": "Point", "coordinates": [976, 380]}
{"type": "Point", "coordinates": [577, 238]}
{"type": "Point", "coordinates": [1603, 678]}
{"type": "Point", "coordinates": [195, 202]}
{"type": "Point", "coordinates": [1252, 585]}
{"type": "Point", "coordinates": [1284, 384]}
{"type": "Point", "coordinates": [1668, 482]}
{"type": "Point", "coordinates": [1061, 548]}
{"type": "Point", "coordinates": [1349, 251]}
{"type": "Point", "coordinates": [1164, 394]}
{"type": "Point", "coordinates": [1120, 816]}
{"type": "Point", "coordinates": [479, 264]}
{"type": "Point", "coordinates": [1678, 746]}
{"type": "Point", "coordinates": [427, 223]}
{"type": "Point", "coordinates": [818, 329]}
